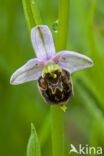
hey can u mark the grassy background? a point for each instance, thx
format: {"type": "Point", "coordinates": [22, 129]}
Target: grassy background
{"type": "Point", "coordinates": [21, 105]}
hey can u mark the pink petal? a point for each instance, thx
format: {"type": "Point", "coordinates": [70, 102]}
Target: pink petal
{"type": "Point", "coordinates": [72, 61]}
{"type": "Point", "coordinates": [32, 70]}
{"type": "Point", "coordinates": [42, 41]}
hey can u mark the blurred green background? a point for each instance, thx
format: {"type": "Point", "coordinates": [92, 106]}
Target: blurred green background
{"type": "Point", "coordinates": [20, 105]}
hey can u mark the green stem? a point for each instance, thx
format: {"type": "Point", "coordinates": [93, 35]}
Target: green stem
{"type": "Point", "coordinates": [90, 28]}
{"type": "Point", "coordinates": [36, 13]}
{"type": "Point", "coordinates": [28, 14]}
{"type": "Point", "coordinates": [63, 25]}
{"type": "Point", "coordinates": [56, 112]}
{"type": "Point", "coordinates": [57, 131]}
{"type": "Point", "coordinates": [32, 14]}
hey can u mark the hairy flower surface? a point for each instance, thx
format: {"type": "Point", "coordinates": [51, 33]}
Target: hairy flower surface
{"type": "Point", "coordinates": [51, 69]}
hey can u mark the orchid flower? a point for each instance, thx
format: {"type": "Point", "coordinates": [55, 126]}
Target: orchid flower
{"type": "Point", "coordinates": [44, 48]}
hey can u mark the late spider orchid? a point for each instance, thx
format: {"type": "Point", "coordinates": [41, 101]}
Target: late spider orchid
{"type": "Point", "coordinates": [51, 69]}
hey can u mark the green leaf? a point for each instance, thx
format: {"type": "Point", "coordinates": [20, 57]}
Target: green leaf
{"type": "Point", "coordinates": [28, 15]}
{"type": "Point", "coordinates": [33, 146]}
{"type": "Point", "coordinates": [35, 12]}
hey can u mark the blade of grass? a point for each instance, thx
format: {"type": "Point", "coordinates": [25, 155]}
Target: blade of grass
{"type": "Point", "coordinates": [28, 15]}
{"type": "Point", "coordinates": [95, 112]}
{"type": "Point", "coordinates": [33, 147]}
{"type": "Point", "coordinates": [35, 12]}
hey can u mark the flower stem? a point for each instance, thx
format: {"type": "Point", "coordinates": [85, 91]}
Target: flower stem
{"type": "Point", "coordinates": [56, 112]}
{"type": "Point", "coordinates": [63, 25]}
{"type": "Point", "coordinates": [57, 131]}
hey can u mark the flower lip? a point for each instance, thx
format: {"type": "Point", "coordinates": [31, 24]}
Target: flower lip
{"type": "Point", "coordinates": [57, 91]}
